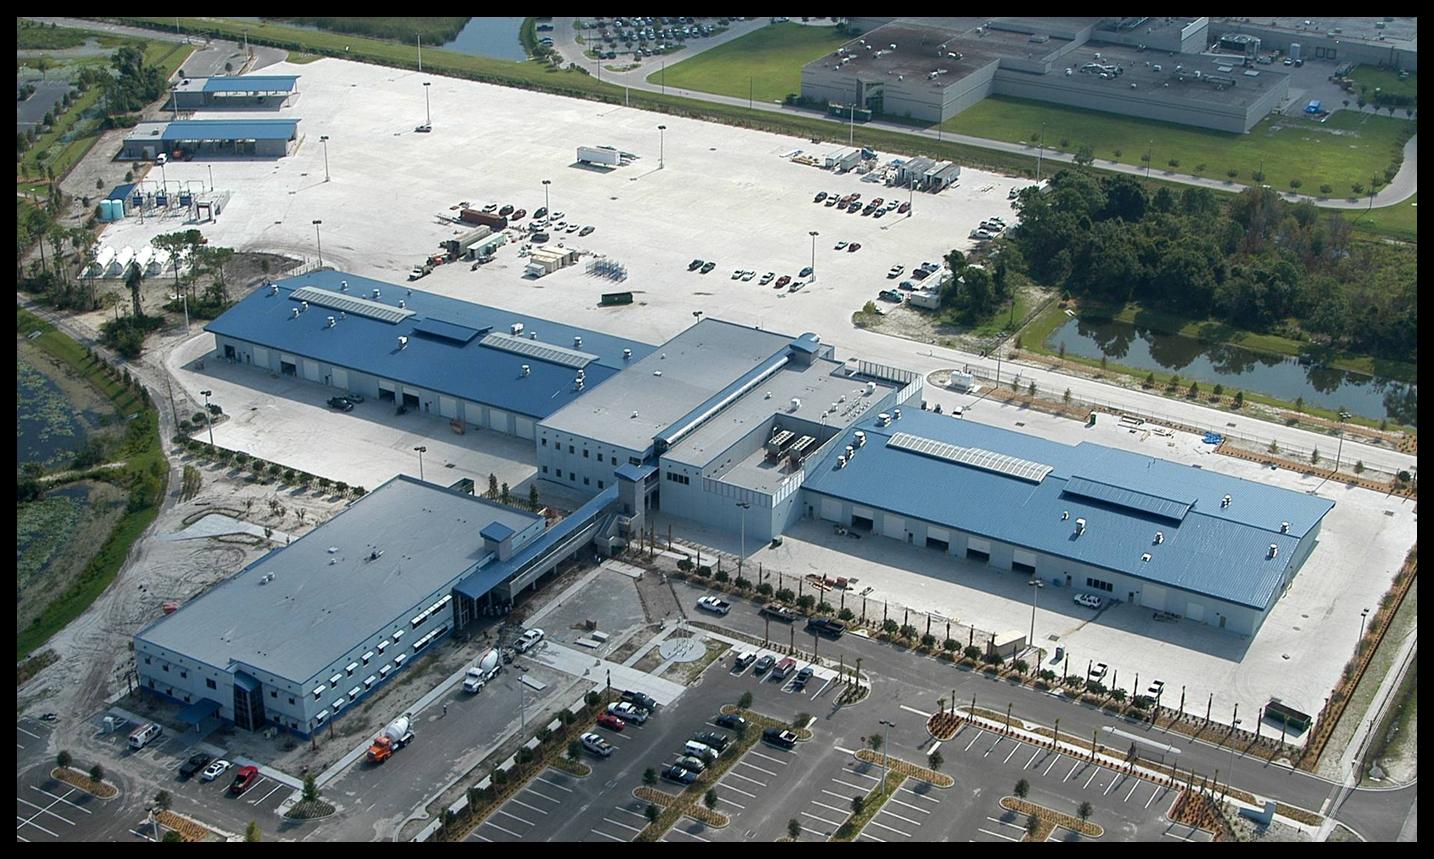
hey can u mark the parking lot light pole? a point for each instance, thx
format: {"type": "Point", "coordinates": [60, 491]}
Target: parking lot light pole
{"type": "Point", "coordinates": [1036, 585]}
{"type": "Point", "coordinates": [745, 505]}
{"type": "Point", "coordinates": [1362, 615]}
{"type": "Point", "coordinates": [546, 211]}
{"type": "Point", "coordinates": [324, 139]}
{"type": "Point", "coordinates": [209, 418]}
{"type": "Point", "coordinates": [660, 160]}
{"type": "Point", "coordinates": [318, 239]}
{"type": "Point", "coordinates": [1040, 152]}
{"type": "Point", "coordinates": [427, 114]}
{"type": "Point", "coordinates": [814, 234]}
{"type": "Point", "coordinates": [422, 449]}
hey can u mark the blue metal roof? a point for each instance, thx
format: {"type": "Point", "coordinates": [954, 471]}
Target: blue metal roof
{"type": "Point", "coordinates": [445, 330]}
{"type": "Point", "coordinates": [122, 192]}
{"type": "Point", "coordinates": [467, 370]}
{"type": "Point", "coordinates": [1218, 551]}
{"type": "Point", "coordinates": [807, 343]}
{"type": "Point", "coordinates": [199, 711]}
{"type": "Point", "coordinates": [476, 584]}
{"type": "Point", "coordinates": [231, 129]}
{"type": "Point", "coordinates": [252, 84]}
{"type": "Point", "coordinates": [497, 532]}
{"type": "Point", "coordinates": [1119, 496]}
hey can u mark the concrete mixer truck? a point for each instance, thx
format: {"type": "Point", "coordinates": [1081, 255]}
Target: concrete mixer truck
{"type": "Point", "coordinates": [485, 669]}
{"type": "Point", "coordinates": [394, 737]}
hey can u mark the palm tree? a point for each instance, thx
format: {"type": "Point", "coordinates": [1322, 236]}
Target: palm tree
{"type": "Point", "coordinates": [649, 777]}
{"type": "Point", "coordinates": [1084, 812]}
{"type": "Point", "coordinates": [575, 750]}
{"type": "Point", "coordinates": [163, 801]}
{"type": "Point", "coordinates": [709, 799]}
{"type": "Point", "coordinates": [935, 760]}
{"type": "Point", "coordinates": [1023, 789]}
{"type": "Point", "coordinates": [132, 279]}
{"type": "Point", "coordinates": [651, 813]}
{"type": "Point", "coordinates": [1033, 823]}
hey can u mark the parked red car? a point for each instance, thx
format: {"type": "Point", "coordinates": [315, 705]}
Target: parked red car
{"type": "Point", "coordinates": [244, 780]}
{"type": "Point", "coordinates": [611, 722]}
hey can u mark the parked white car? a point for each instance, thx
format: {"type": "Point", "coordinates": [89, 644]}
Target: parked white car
{"type": "Point", "coordinates": [1089, 600]}
{"type": "Point", "coordinates": [597, 745]}
{"type": "Point", "coordinates": [214, 770]}
{"type": "Point", "coordinates": [714, 605]}
{"type": "Point", "coordinates": [628, 712]}
{"type": "Point", "coordinates": [529, 638]}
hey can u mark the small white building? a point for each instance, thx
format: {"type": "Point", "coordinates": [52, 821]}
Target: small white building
{"type": "Point", "coordinates": [544, 261]}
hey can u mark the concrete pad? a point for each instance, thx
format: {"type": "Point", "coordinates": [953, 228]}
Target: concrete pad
{"type": "Point", "coordinates": [570, 661]}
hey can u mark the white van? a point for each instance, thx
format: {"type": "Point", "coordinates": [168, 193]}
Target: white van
{"type": "Point", "coordinates": [699, 750]}
{"type": "Point", "coordinates": [142, 735]}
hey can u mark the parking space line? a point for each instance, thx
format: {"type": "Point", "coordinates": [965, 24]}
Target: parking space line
{"type": "Point", "coordinates": [43, 810]}
{"type": "Point", "coordinates": [744, 778]}
{"type": "Point", "coordinates": [993, 747]}
{"type": "Point", "coordinates": [873, 838]}
{"type": "Point", "coordinates": [822, 819]}
{"type": "Point", "coordinates": [518, 801]}
{"type": "Point", "coordinates": [778, 761]}
{"type": "Point", "coordinates": [482, 838]}
{"type": "Point", "coordinates": [731, 803]}
{"type": "Point", "coordinates": [1005, 823]}
{"type": "Point", "coordinates": [623, 825]}
{"type": "Point", "coordinates": [1185, 837]}
{"type": "Point", "coordinates": [973, 741]}
{"type": "Point", "coordinates": [689, 834]}
{"type": "Point", "coordinates": [829, 807]}
{"type": "Point", "coordinates": [64, 799]}
{"type": "Point", "coordinates": [1015, 748]}
{"type": "Point", "coordinates": [727, 786]}
{"type": "Point", "coordinates": [892, 828]}
{"type": "Point", "coordinates": [27, 733]}
{"type": "Point", "coordinates": [1113, 782]}
{"type": "Point", "coordinates": [861, 774]}
{"type": "Point", "coordinates": [605, 835]}
{"type": "Point", "coordinates": [998, 835]}
{"type": "Point", "coordinates": [555, 784]}
{"type": "Point", "coordinates": [1132, 791]}
{"type": "Point", "coordinates": [850, 785]}
{"type": "Point", "coordinates": [1034, 755]}
{"type": "Point", "coordinates": [899, 817]}
{"type": "Point", "coordinates": [1054, 760]}
{"type": "Point", "coordinates": [31, 822]}
{"type": "Point", "coordinates": [757, 768]}
{"type": "Point", "coordinates": [543, 796]}
{"type": "Point", "coordinates": [835, 794]}
{"type": "Point", "coordinates": [515, 817]}
{"type": "Point", "coordinates": [633, 813]}
{"type": "Point", "coordinates": [277, 787]}
{"type": "Point", "coordinates": [1093, 772]}
{"type": "Point", "coordinates": [1153, 794]}
{"type": "Point", "coordinates": [909, 805]}
{"type": "Point", "coordinates": [1075, 766]}
{"type": "Point", "coordinates": [919, 795]}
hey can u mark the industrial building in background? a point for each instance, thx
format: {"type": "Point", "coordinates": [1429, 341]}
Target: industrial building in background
{"type": "Point", "coordinates": [249, 92]}
{"type": "Point", "coordinates": [932, 69]}
{"type": "Point", "coordinates": [210, 138]}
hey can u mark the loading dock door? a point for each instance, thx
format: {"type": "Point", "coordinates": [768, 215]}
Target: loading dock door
{"type": "Point", "coordinates": [448, 407]}
{"type": "Point", "coordinates": [339, 378]}
{"type": "Point", "coordinates": [893, 526]}
{"type": "Point", "coordinates": [831, 509]}
{"type": "Point", "coordinates": [261, 357]}
{"type": "Point", "coordinates": [498, 420]}
{"type": "Point", "coordinates": [387, 391]}
{"type": "Point", "coordinates": [524, 426]}
{"type": "Point", "coordinates": [1195, 611]}
{"type": "Point", "coordinates": [863, 518]}
{"type": "Point", "coordinates": [311, 370]}
{"type": "Point", "coordinates": [1023, 561]}
{"type": "Point", "coordinates": [978, 549]}
{"type": "Point", "coordinates": [474, 413]}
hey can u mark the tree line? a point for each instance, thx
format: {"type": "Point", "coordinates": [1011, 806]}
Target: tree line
{"type": "Point", "coordinates": [1255, 262]}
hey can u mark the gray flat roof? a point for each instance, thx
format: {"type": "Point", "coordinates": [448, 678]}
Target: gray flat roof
{"type": "Point", "coordinates": [321, 603]}
{"type": "Point", "coordinates": [1400, 33]}
{"type": "Point", "coordinates": [817, 386]}
{"type": "Point", "coordinates": [1139, 68]}
{"type": "Point", "coordinates": [693, 366]}
{"type": "Point", "coordinates": [916, 56]}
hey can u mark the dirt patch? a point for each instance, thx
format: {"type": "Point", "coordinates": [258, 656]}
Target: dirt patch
{"type": "Point", "coordinates": [924, 326]}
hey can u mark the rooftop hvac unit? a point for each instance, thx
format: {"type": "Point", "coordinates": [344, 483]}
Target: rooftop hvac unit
{"type": "Point", "coordinates": [1284, 527]}
{"type": "Point", "coordinates": [896, 414]}
{"type": "Point", "coordinates": [330, 322]}
{"type": "Point", "coordinates": [1274, 550]}
{"type": "Point", "coordinates": [343, 286]}
{"type": "Point", "coordinates": [376, 294]}
{"type": "Point", "coordinates": [516, 328]}
{"type": "Point", "coordinates": [657, 372]}
{"type": "Point", "coordinates": [577, 342]}
{"type": "Point", "coordinates": [1159, 537]}
{"type": "Point", "coordinates": [891, 47]}
{"type": "Point", "coordinates": [1225, 502]}
{"type": "Point", "coordinates": [401, 304]}
{"type": "Point", "coordinates": [402, 342]}
{"type": "Point", "coordinates": [1080, 526]}
{"type": "Point", "coordinates": [796, 404]}
{"type": "Point", "coordinates": [1065, 514]}
{"type": "Point", "coordinates": [273, 289]}
{"type": "Point", "coordinates": [870, 388]}
{"type": "Point", "coordinates": [860, 438]}
{"type": "Point", "coordinates": [526, 369]}
{"type": "Point", "coordinates": [296, 313]}
{"type": "Point", "coordinates": [883, 419]}
{"type": "Point", "coordinates": [532, 335]}
{"type": "Point", "coordinates": [1145, 556]}
{"type": "Point", "coordinates": [626, 354]}
{"type": "Point", "coordinates": [303, 305]}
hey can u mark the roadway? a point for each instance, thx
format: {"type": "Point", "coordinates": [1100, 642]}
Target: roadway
{"type": "Point", "coordinates": [1404, 185]}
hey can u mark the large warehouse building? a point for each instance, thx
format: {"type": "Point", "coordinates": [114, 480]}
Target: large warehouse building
{"type": "Point", "coordinates": [485, 367]}
{"type": "Point", "coordinates": [250, 92]}
{"type": "Point", "coordinates": [308, 630]}
{"type": "Point", "coordinates": [932, 69]}
{"type": "Point", "coordinates": [211, 138]}
{"type": "Point", "coordinates": [1197, 543]}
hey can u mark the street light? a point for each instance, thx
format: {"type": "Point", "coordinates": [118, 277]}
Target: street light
{"type": "Point", "coordinates": [660, 161]}
{"type": "Point", "coordinates": [1036, 585]}
{"type": "Point", "coordinates": [814, 234]}
{"type": "Point", "coordinates": [1041, 151]}
{"type": "Point", "coordinates": [209, 417]}
{"type": "Point", "coordinates": [421, 451]}
{"type": "Point", "coordinates": [324, 139]}
{"type": "Point", "coordinates": [319, 241]}
{"type": "Point", "coordinates": [427, 114]}
{"type": "Point", "coordinates": [546, 210]}
{"type": "Point", "coordinates": [1230, 776]}
{"type": "Point", "coordinates": [1362, 615]}
{"type": "Point", "coordinates": [745, 505]}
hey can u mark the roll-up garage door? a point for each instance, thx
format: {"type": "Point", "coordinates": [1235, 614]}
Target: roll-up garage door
{"type": "Point", "coordinates": [1022, 558]}
{"type": "Point", "coordinates": [934, 533]}
{"type": "Point", "coordinates": [448, 407]}
{"type": "Point", "coordinates": [261, 357]}
{"type": "Point", "coordinates": [340, 378]}
{"type": "Point", "coordinates": [524, 427]}
{"type": "Point", "coordinates": [311, 370]}
{"type": "Point", "coordinates": [831, 509]}
{"type": "Point", "coordinates": [1153, 596]}
{"type": "Point", "coordinates": [498, 420]}
{"type": "Point", "coordinates": [976, 544]}
{"type": "Point", "coordinates": [893, 526]}
{"type": "Point", "coordinates": [473, 413]}
{"type": "Point", "coordinates": [1195, 611]}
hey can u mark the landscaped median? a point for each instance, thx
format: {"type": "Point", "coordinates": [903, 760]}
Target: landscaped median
{"type": "Point", "coordinates": [1048, 819]}
{"type": "Point", "coordinates": [906, 768]}
{"type": "Point", "coordinates": [96, 787]}
{"type": "Point", "coordinates": [189, 830]}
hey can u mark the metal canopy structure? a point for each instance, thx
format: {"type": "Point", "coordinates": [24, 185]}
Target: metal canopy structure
{"type": "Point", "coordinates": [445, 330]}
{"type": "Point", "coordinates": [987, 460]}
{"type": "Point", "coordinates": [1141, 502]}
{"type": "Point", "coordinates": [351, 304]}
{"type": "Point", "coordinates": [560, 355]}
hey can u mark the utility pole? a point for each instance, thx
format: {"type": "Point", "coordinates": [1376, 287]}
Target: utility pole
{"type": "Point", "coordinates": [420, 53]}
{"type": "Point", "coordinates": [323, 138]}
{"type": "Point", "coordinates": [1040, 152]}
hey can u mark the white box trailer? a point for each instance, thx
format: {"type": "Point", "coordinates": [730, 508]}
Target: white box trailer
{"type": "Point", "coordinates": [599, 155]}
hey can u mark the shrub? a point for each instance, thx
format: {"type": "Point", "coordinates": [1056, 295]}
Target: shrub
{"type": "Point", "coordinates": [743, 583]}
{"type": "Point", "coordinates": [846, 613]}
{"type": "Point", "coordinates": [824, 607]}
{"type": "Point", "coordinates": [890, 626]}
{"type": "Point", "coordinates": [786, 595]}
{"type": "Point", "coordinates": [1047, 675]}
{"type": "Point", "coordinates": [288, 475]}
{"type": "Point", "coordinates": [745, 701]}
{"type": "Point", "coordinates": [908, 631]}
{"type": "Point", "coordinates": [704, 571]}
{"type": "Point", "coordinates": [1021, 666]}
{"type": "Point", "coordinates": [805, 602]}
{"type": "Point", "coordinates": [951, 645]}
{"type": "Point", "coordinates": [684, 564]}
{"type": "Point", "coordinates": [1095, 687]}
{"type": "Point", "coordinates": [971, 651]}
{"type": "Point", "coordinates": [765, 589]}
{"type": "Point", "coordinates": [1118, 694]}
{"type": "Point", "coordinates": [722, 576]}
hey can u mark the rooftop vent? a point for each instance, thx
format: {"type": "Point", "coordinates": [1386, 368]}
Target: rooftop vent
{"type": "Point", "coordinates": [1284, 527]}
{"type": "Point", "coordinates": [796, 404]}
{"type": "Point", "coordinates": [883, 419]}
{"type": "Point", "coordinates": [330, 322]}
{"type": "Point", "coordinates": [532, 335]}
{"type": "Point", "coordinates": [860, 438]}
{"type": "Point", "coordinates": [896, 414]}
{"type": "Point", "coordinates": [402, 342]}
{"type": "Point", "coordinates": [303, 305]}
{"type": "Point", "coordinates": [526, 369]}
{"type": "Point", "coordinates": [1145, 557]}
{"type": "Point", "coordinates": [767, 396]}
{"type": "Point", "coordinates": [1065, 514]}
{"type": "Point", "coordinates": [1080, 527]}
{"type": "Point", "coordinates": [1225, 502]}
{"type": "Point", "coordinates": [1274, 550]}
{"type": "Point", "coordinates": [870, 388]}
{"type": "Point", "coordinates": [577, 342]}
{"type": "Point", "coordinates": [401, 303]}
{"type": "Point", "coordinates": [634, 414]}
{"type": "Point", "coordinates": [296, 313]}
{"type": "Point", "coordinates": [841, 461]}
{"type": "Point", "coordinates": [273, 289]}
{"type": "Point", "coordinates": [850, 451]}
{"type": "Point", "coordinates": [626, 354]}
{"type": "Point", "coordinates": [516, 328]}
{"type": "Point", "coordinates": [376, 294]}
{"type": "Point", "coordinates": [343, 286]}
{"type": "Point", "coordinates": [1159, 537]}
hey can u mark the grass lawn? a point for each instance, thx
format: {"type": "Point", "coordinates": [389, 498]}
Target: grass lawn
{"type": "Point", "coordinates": [1349, 147]}
{"type": "Point", "coordinates": [1387, 80]}
{"type": "Point", "coordinates": [1395, 222]}
{"type": "Point", "coordinates": [770, 60]}
{"type": "Point", "coordinates": [1001, 320]}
